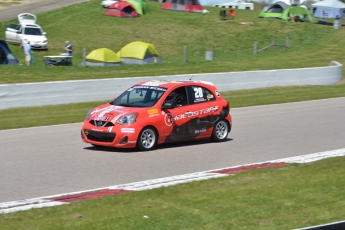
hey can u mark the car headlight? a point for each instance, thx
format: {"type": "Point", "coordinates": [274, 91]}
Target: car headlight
{"type": "Point", "coordinates": [45, 41]}
{"type": "Point", "coordinates": [128, 119]}
{"type": "Point", "coordinates": [88, 115]}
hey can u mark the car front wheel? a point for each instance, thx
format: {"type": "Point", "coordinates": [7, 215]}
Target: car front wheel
{"type": "Point", "coordinates": [147, 139]}
{"type": "Point", "coordinates": [220, 131]}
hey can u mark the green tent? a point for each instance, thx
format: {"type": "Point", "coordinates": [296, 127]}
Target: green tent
{"type": "Point", "coordinates": [274, 10]}
{"type": "Point", "coordinates": [103, 57]}
{"type": "Point", "coordinates": [145, 6]}
{"type": "Point", "coordinates": [140, 6]}
{"type": "Point", "coordinates": [301, 12]}
{"type": "Point", "coordinates": [139, 53]}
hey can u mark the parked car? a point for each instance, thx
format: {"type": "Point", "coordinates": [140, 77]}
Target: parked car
{"type": "Point", "coordinates": [27, 31]}
{"type": "Point", "coordinates": [156, 112]}
{"type": "Point", "coordinates": [107, 3]}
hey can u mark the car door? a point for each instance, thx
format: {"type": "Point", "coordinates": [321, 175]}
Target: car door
{"type": "Point", "coordinates": [11, 33]}
{"type": "Point", "coordinates": [205, 109]}
{"type": "Point", "coordinates": [175, 123]}
{"type": "Point", "coordinates": [18, 36]}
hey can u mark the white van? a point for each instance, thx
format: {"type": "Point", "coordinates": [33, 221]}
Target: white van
{"type": "Point", "coordinates": [27, 30]}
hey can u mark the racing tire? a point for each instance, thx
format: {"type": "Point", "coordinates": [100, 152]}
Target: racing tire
{"type": "Point", "coordinates": [220, 131]}
{"type": "Point", "coordinates": [147, 139]}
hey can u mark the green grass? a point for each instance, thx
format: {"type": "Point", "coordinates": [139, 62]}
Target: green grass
{"type": "Point", "coordinates": [288, 197]}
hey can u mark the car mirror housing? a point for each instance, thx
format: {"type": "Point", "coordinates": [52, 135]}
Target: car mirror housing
{"type": "Point", "coordinates": [168, 105]}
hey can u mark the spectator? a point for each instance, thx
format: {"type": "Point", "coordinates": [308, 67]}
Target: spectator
{"type": "Point", "coordinates": [27, 52]}
{"type": "Point", "coordinates": [68, 48]}
{"type": "Point", "coordinates": [295, 18]}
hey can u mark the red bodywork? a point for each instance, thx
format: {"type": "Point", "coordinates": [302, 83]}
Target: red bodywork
{"type": "Point", "coordinates": [192, 121]}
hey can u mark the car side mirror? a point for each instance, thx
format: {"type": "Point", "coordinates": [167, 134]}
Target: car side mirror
{"type": "Point", "coordinates": [168, 105]}
{"type": "Point", "coordinates": [44, 33]}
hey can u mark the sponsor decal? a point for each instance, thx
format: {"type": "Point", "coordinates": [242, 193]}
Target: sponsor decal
{"type": "Point", "coordinates": [199, 100]}
{"type": "Point", "coordinates": [132, 142]}
{"type": "Point", "coordinates": [200, 131]}
{"type": "Point", "coordinates": [127, 130]}
{"type": "Point", "coordinates": [157, 83]}
{"type": "Point", "coordinates": [158, 88]}
{"type": "Point", "coordinates": [101, 118]}
{"type": "Point", "coordinates": [152, 111]}
{"type": "Point", "coordinates": [100, 130]}
{"type": "Point", "coordinates": [147, 87]}
{"type": "Point", "coordinates": [153, 115]}
{"type": "Point", "coordinates": [210, 96]}
{"type": "Point", "coordinates": [169, 119]}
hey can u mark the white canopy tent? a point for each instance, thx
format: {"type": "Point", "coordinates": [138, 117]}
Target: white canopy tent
{"type": "Point", "coordinates": [329, 9]}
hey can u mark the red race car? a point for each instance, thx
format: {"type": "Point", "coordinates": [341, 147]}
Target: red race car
{"type": "Point", "coordinates": [156, 112]}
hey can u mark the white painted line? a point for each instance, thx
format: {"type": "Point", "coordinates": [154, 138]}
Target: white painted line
{"type": "Point", "coordinates": [30, 206]}
{"type": "Point", "coordinates": [313, 157]}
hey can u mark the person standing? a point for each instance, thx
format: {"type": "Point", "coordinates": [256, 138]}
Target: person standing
{"type": "Point", "coordinates": [27, 52]}
{"type": "Point", "coordinates": [68, 48]}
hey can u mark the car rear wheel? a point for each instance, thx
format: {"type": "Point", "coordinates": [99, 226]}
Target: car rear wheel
{"type": "Point", "coordinates": [220, 131]}
{"type": "Point", "coordinates": [147, 139]}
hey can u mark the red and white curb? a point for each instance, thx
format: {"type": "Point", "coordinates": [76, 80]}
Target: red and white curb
{"type": "Point", "coordinates": [67, 198]}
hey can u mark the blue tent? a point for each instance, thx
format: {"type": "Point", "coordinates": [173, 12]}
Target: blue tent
{"type": "Point", "coordinates": [6, 57]}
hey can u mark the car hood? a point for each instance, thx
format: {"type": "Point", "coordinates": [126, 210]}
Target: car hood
{"type": "Point", "coordinates": [35, 38]}
{"type": "Point", "coordinates": [112, 113]}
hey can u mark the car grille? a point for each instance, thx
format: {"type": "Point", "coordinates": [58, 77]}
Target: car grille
{"type": "Point", "coordinates": [99, 136]}
{"type": "Point", "coordinates": [101, 123]}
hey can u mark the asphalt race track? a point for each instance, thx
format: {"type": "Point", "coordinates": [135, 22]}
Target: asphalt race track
{"type": "Point", "coordinates": [51, 160]}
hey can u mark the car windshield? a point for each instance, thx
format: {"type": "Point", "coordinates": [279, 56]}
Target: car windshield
{"type": "Point", "coordinates": [32, 31]}
{"type": "Point", "coordinates": [140, 96]}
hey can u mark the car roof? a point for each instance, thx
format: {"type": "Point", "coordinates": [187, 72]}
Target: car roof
{"type": "Point", "coordinates": [173, 83]}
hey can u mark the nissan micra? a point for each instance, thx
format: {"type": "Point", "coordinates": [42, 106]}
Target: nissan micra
{"type": "Point", "coordinates": [157, 112]}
